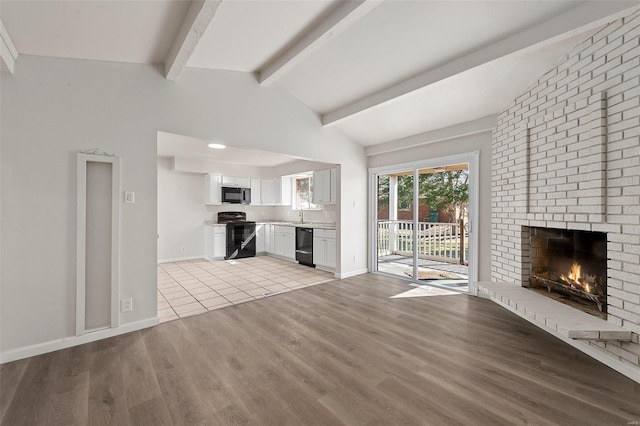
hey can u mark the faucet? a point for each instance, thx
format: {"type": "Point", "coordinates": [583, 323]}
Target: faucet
{"type": "Point", "coordinates": [301, 214]}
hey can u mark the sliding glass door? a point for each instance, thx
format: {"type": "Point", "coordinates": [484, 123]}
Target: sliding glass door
{"type": "Point", "coordinates": [421, 221]}
{"type": "Point", "coordinates": [395, 231]}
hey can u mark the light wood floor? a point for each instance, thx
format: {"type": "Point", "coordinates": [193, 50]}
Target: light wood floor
{"type": "Point", "coordinates": [335, 353]}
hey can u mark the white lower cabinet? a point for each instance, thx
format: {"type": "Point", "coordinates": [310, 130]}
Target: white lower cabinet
{"type": "Point", "coordinates": [284, 241]}
{"type": "Point", "coordinates": [268, 239]}
{"type": "Point", "coordinates": [215, 242]}
{"type": "Point", "coordinates": [324, 248]}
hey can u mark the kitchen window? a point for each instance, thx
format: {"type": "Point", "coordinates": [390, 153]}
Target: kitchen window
{"type": "Point", "coordinates": [303, 194]}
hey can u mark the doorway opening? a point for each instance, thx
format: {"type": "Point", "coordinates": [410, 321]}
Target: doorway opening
{"type": "Point", "coordinates": [421, 222]}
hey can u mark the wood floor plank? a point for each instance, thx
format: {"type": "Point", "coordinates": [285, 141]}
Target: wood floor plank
{"type": "Point", "coordinates": [68, 387]}
{"type": "Point", "coordinates": [10, 376]}
{"type": "Point", "coordinates": [151, 412]}
{"type": "Point", "coordinates": [180, 396]}
{"type": "Point", "coordinates": [139, 379]}
{"type": "Point", "coordinates": [336, 353]}
{"type": "Point", "coordinates": [107, 399]}
{"type": "Point", "coordinates": [30, 398]}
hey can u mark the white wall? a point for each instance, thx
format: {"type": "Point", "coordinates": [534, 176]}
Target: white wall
{"type": "Point", "coordinates": [181, 213]}
{"type": "Point", "coordinates": [478, 142]}
{"type": "Point", "coordinates": [52, 108]}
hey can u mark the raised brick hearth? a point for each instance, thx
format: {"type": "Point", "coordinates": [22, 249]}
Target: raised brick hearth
{"type": "Point", "coordinates": [566, 155]}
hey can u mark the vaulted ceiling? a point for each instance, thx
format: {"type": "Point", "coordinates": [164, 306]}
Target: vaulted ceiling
{"type": "Point", "coordinates": [380, 71]}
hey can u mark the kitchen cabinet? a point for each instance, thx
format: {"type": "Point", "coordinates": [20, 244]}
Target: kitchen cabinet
{"type": "Point", "coordinates": [267, 192]}
{"type": "Point", "coordinates": [283, 191]}
{"type": "Point", "coordinates": [213, 192]}
{"type": "Point", "coordinates": [260, 238]}
{"type": "Point", "coordinates": [255, 192]}
{"type": "Point", "coordinates": [275, 192]}
{"type": "Point", "coordinates": [268, 239]}
{"type": "Point", "coordinates": [215, 242]}
{"type": "Point", "coordinates": [324, 186]}
{"type": "Point", "coordinates": [324, 248]}
{"type": "Point", "coordinates": [284, 241]}
{"type": "Point", "coordinates": [240, 182]}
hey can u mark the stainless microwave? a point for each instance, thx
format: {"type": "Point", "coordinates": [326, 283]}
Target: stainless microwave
{"type": "Point", "coordinates": [236, 195]}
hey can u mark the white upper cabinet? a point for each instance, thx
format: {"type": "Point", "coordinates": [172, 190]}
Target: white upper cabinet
{"type": "Point", "coordinates": [324, 186]}
{"type": "Point", "coordinates": [275, 192]}
{"type": "Point", "coordinates": [267, 192]}
{"type": "Point", "coordinates": [284, 198]}
{"type": "Point", "coordinates": [213, 186]}
{"type": "Point", "coordinates": [240, 182]}
{"type": "Point", "coordinates": [256, 198]}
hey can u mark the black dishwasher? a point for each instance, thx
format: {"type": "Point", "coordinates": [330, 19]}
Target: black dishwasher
{"type": "Point", "coordinates": [304, 246]}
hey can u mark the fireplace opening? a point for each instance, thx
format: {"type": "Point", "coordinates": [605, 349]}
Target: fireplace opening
{"type": "Point", "coordinates": [570, 266]}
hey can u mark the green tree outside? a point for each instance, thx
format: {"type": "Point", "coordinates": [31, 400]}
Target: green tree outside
{"type": "Point", "coordinates": [447, 190]}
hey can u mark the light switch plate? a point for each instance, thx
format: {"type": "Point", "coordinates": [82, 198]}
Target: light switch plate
{"type": "Point", "coordinates": [129, 197]}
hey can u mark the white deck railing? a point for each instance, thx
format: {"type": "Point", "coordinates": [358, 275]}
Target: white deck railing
{"type": "Point", "coordinates": [438, 241]}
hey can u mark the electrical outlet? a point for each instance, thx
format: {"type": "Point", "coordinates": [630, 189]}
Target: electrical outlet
{"type": "Point", "coordinates": [355, 259]}
{"type": "Point", "coordinates": [183, 249]}
{"type": "Point", "coordinates": [126, 305]}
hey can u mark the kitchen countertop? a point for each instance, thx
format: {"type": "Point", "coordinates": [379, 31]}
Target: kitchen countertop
{"type": "Point", "coordinates": [320, 225]}
{"type": "Point", "coordinates": [212, 223]}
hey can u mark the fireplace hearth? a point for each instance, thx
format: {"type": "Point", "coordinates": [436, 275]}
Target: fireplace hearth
{"type": "Point", "coordinates": [571, 266]}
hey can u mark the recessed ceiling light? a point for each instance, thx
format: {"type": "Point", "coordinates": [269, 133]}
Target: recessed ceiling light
{"type": "Point", "coordinates": [216, 146]}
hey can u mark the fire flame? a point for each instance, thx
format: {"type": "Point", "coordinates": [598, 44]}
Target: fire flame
{"type": "Point", "coordinates": [576, 280]}
{"type": "Point", "coordinates": [574, 274]}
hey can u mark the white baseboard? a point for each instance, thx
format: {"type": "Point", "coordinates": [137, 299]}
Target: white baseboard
{"type": "Point", "coordinates": [180, 259]}
{"type": "Point", "coordinates": [352, 273]}
{"type": "Point", "coordinates": [67, 342]}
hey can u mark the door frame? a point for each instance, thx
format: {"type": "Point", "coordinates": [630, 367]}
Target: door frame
{"type": "Point", "coordinates": [81, 236]}
{"type": "Point", "coordinates": [471, 158]}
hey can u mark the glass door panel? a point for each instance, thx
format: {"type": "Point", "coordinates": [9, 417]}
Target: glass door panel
{"type": "Point", "coordinates": [442, 249]}
{"type": "Point", "coordinates": [395, 223]}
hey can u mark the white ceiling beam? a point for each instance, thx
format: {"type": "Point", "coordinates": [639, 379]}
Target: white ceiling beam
{"type": "Point", "coordinates": [196, 22]}
{"type": "Point", "coordinates": [584, 17]}
{"type": "Point", "coordinates": [335, 23]}
{"type": "Point", "coordinates": [481, 125]}
{"type": "Point", "coordinates": [8, 50]}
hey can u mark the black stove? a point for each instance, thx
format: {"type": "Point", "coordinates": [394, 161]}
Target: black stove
{"type": "Point", "coordinates": [241, 235]}
{"type": "Point", "coordinates": [233, 217]}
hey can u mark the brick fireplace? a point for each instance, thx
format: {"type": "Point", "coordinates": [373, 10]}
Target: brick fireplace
{"type": "Point", "coordinates": [566, 156]}
{"type": "Point", "coordinates": [570, 265]}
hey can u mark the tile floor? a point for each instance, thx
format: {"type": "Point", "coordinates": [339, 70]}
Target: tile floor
{"type": "Point", "coordinates": [197, 286]}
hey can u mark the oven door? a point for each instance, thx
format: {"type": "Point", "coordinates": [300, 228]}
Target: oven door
{"type": "Point", "coordinates": [241, 240]}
